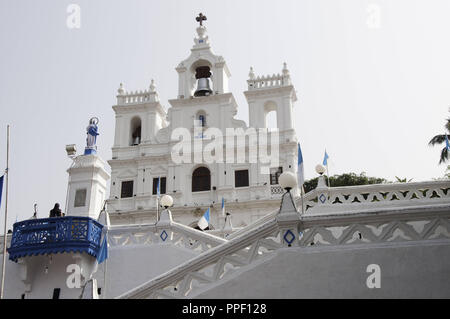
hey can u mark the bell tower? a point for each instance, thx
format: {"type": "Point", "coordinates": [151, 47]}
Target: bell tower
{"type": "Point", "coordinates": [203, 73]}
{"type": "Point", "coordinates": [275, 94]}
{"type": "Point", "coordinates": [271, 93]}
{"type": "Point", "coordinates": [139, 116]}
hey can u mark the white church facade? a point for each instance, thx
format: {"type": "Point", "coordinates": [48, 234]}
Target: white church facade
{"type": "Point", "coordinates": [146, 137]}
{"type": "Point", "coordinates": [369, 241]}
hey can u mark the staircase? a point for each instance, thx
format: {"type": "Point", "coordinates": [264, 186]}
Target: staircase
{"type": "Point", "coordinates": [358, 216]}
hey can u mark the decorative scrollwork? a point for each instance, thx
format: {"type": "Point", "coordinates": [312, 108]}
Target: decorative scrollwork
{"type": "Point", "coordinates": [53, 235]}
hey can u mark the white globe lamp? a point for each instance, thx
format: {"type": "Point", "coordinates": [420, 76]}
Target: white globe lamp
{"type": "Point", "coordinates": [320, 169]}
{"type": "Point", "coordinates": [166, 201]}
{"type": "Point", "coordinates": [287, 180]}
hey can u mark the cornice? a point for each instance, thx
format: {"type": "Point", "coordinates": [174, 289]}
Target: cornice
{"type": "Point", "coordinates": [141, 107]}
{"type": "Point", "coordinates": [204, 100]}
{"type": "Point", "coordinates": [272, 92]}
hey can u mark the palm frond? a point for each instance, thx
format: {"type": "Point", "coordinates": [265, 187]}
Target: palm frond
{"type": "Point", "coordinates": [438, 139]}
{"type": "Point", "coordinates": [444, 155]}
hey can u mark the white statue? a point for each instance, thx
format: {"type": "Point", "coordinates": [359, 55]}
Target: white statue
{"type": "Point", "coordinates": [92, 132]}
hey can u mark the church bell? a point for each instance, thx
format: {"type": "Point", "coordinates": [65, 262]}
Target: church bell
{"type": "Point", "coordinates": [202, 75]}
{"type": "Point", "coordinates": [136, 140]}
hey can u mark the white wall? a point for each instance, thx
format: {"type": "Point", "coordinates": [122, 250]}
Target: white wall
{"type": "Point", "coordinates": [408, 270]}
{"type": "Point", "coordinates": [132, 265]}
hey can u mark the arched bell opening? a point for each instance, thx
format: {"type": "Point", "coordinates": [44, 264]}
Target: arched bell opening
{"type": "Point", "coordinates": [135, 131]}
{"type": "Point", "coordinates": [271, 115]}
{"type": "Point", "coordinates": [203, 76]}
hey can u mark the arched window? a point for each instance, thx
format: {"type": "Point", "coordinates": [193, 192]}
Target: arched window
{"type": "Point", "coordinates": [270, 113]}
{"type": "Point", "coordinates": [201, 179]}
{"type": "Point", "coordinates": [135, 131]}
{"type": "Point", "coordinates": [201, 118]}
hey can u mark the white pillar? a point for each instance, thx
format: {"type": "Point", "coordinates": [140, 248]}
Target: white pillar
{"type": "Point", "coordinates": [87, 186]}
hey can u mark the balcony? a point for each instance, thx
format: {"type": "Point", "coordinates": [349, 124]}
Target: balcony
{"type": "Point", "coordinates": [55, 235]}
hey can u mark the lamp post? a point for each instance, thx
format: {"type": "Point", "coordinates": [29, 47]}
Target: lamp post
{"type": "Point", "coordinates": [165, 218]}
{"type": "Point", "coordinates": [322, 187]}
{"type": "Point", "coordinates": [288, 218]}
{"type": "Point", "coordinates": [288, 181]}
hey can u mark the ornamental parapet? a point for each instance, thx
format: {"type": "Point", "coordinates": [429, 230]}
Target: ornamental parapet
{"type": "Point", "coordinates": [55, 235]}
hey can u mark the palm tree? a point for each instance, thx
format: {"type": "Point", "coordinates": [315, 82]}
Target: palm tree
{"type": "Point", "coordinates": [439, 139]}
{"type": "Point", "coordinates": [403, 180]}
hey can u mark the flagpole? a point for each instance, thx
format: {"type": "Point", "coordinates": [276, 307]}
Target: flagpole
{"type": "Point", "coordinates": [6, 215]}
{"type": "Point", "coordinates": [157, 199]}
{"type": "Point", "coordinates": [106, 262]}
{"type": "Point", "coordinates": [301, 195]}
{"type": "Point", "coordinates": [157, 208]}
{"type": "Point", "coordinates": [104, 278]}
{"type": "Point", "coordinates": [328, 175]}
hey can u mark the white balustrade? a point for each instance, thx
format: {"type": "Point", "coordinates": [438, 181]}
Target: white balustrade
{"type": "Point", "coordinates": [270, 81]}
{"type": "Point", "coordinates": [369, 197]}
{"type": "Point", "coordinates": [276, 190]}
{"type": "Point", "coordinates": [137, 97]}
{"type": "Point", "coordinates": [176, 234]}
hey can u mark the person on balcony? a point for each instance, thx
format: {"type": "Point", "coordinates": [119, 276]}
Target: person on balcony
{"type": "Point", "coordinates": [35, 212]}
{"type": "Point", "coordinates": [56, 211]}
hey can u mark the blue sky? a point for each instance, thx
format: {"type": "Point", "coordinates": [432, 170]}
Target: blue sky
{"type": "Point", "coordinates": [372, 94]}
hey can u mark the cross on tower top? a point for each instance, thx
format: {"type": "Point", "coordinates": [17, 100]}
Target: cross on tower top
{"type": "Point", "coordinates": [200, 18]}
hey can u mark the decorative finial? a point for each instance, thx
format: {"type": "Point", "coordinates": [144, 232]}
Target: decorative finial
{"type": "Point", "coordinates": [285, 69]}
{"type": "Point", "coordinates": [200, 18]}
{"type": "Point", "coordinates": [251, 74]}
{"type": "Point", "coordinates": [120, 90]}
{"type": "Point", "coordinates": [152, 86]}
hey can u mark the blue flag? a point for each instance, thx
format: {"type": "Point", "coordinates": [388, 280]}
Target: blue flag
{"type": "Point", "coordinates": [447, 144]}
{"type": "Point", "coordinates": [103, 253]}
{"type": "Point", "coordinates": [1, 188]}
{"type": "Point", "coordinates": [300, 169]}
{"type": "Point", "coordinates": [204, 221]}
{"type": "Point", "coordinates": [325, 159]}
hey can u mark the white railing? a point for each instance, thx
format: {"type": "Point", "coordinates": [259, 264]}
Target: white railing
{"type": "Point", "coordinates": [369, 197]}
{"type": "Point", "coordinates": [269, 81]}
{"type": "Point", "coordinates": [175, 233]}
{"type": "Point", "coordinates": [211, 265]}
{"type": "Point", "coordinates": [307, 198]}
{"type": "Point", "coordinates": [426, 222]}
{"type": "Point", "coordinates": [276, 190]}
{"type": "Point", "coordinates": [428, 219]}
{"type": "Point", "coordinates": [135, 97]}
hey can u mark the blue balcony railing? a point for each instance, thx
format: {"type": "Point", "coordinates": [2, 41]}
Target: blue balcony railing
{"type": "Point", "coordinates": [55, 235]}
